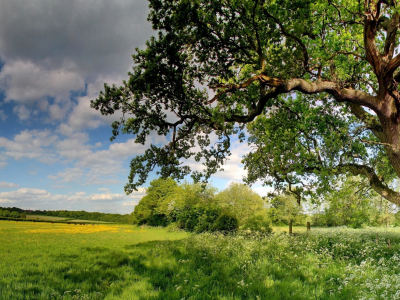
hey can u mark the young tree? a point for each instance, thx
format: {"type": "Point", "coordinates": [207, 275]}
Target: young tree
{"type": "Point", "coordinates": [14, 214]}
{"type": "Point", "coordinates": [350, 204]}
{"type": "Point", "coordinates": [284, 208]}
{"type": "Point", "coordinates": [239, 199]}
{"type": "Point", "coordinates": [318, 80]}
{"type": "Point", "coordinates": [146, 212]}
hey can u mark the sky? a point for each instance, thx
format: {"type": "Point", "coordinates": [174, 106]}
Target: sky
{"type": "Point", "coordinates": [55, 151]}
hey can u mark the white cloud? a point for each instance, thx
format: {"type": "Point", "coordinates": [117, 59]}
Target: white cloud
{"type": "Point", "coordinates": [32, 144]}
{"type": "Point", "coordinates": [139, 194]}
{"type": "Point", "coordinates": [262, 190]}
{"type": "Point", "coordinates": [25, 82]}
{"type": "Point", "coordinates": [7, 185]}
{"type": "Point", "coordinates": [233, 169]}
{"type": "Point", "coordinates": [25, 195]}
{"type": "Point", "coordinates": [6, 201]}
{"type": "Point", "coordinates": [22, 112]}
{"type": "Point", "coordinates": [3, 116]}
{"type": "Point", "coordinates": [130, 203]}
{"type": "Point", "coordinates": [107, 197]}
{"type": "Point", "coordinates": [68, 175]}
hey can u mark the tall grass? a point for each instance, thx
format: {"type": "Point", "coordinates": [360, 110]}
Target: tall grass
{"type": "Point", "coordinates": [125, 262]}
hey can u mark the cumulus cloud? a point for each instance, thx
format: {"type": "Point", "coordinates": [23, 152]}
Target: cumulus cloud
{"type": "Point", "coordinates": [68, 175]}
{"type": "Point", "coordinates": [24, 195]}
{"type": "Point", "coordinates": [25, 82]}
{"type": "Point", "coordinates": [130, 203]}
{"type": "Point", "coordinates": [233, 169]}
{"type": "Point", "coordinates": [139, 194]}
{"type": "Point", "coordinates": [83, 116]}
{"type": "Point", "coordinates": [7, 185]}
{"type": "Point", "coordinates": [3, 116]}
{"type": "Point", "coordinates": [22, 112]}
{"type": "Point", "coordinates": [52, 52]}
{"type": "Point", "coordinates": [262, 190]}
{"type": "Point", "coordinates": [32, 144]}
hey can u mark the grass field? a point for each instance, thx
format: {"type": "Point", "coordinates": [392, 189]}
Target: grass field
{"type": "Point", "coordinates": [61, 261]}
{"type": "Point", "coordinates": [46, 218]}
{"type": "Point", "coordinates": [88, 221]}
{"type": "Point", "coordinates": [60, 219]}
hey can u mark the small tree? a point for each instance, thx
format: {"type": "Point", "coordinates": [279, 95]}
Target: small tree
{"type": "Point", "coordinates": [239, 199]}
{"type": "Point", "coordinates": [349, 203]}
{"type": "Point", "coordinates": [285, 208]}
{"type": "Point", "coordinates": [226, 223]}
{"type": "Point", "coordinates": [14, 214]}
{"type": "Point", "coordinates": [146, 212]}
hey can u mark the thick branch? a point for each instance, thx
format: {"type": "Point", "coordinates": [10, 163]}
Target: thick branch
{"type": "Point", "coordinates": [390, 41]}
{"type": "Point", "coordinates": [332, 88]}
{"type": "Point", "coordinates": [374, 180]}
{"type": "Point", "coordinates": [369, 120]}
{"type": "Point", "coordinates": [370, 29]}
{"type": "Point", "coordinates": [393, 64]}
{"type": "Point", "coordinates": [281, 86]}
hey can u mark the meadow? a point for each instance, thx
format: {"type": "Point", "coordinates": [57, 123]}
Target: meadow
{"type": "Point", "coordinates": [61, 219]}
{"type": "Point", "coordinates": [61, 261]}
{"type": "Point", "coordinates": [45, 218]}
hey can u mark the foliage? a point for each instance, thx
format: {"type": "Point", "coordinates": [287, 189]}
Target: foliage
{"type": "Point", "coordinates": [226, 223]}
{"type": "Point", "coordinates": [146, 212]}
{"type": "Point", "coordinates": [6, 213]}
{"type": "Point", "coordinates": [285, 208]}
{"type": "Point", "coordinates": [239, 199]}
{"type": "Point", "coordinates": [352, 203]}
{"type": "Point", "coordinates": [197, 219]}
{"type": "Point", "coordinates": [315, 81]}
{"type": "Point", "coordinates": [124, 262]}
{"type": "Point", "coordinates": [349, 205]}
{"type": "Point", "coordinates": [196, 207]}
{"type": "Point", "coordinates": [259, 222]}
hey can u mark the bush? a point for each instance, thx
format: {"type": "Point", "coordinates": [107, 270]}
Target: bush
{"type": "Point", "coordinates": [157, 220]}
{"type": "Point", "coordinates": [197, 219]}
{"type": "Point", "coordinates": [258, 223]}
{"type": "Point", "coordinates": [226, 223]}
{"type": "Point", "coordinates": [14, 214]}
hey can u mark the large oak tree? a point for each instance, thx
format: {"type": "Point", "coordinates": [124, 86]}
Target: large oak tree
{"type": "Point", "coordinates": [314, 83]}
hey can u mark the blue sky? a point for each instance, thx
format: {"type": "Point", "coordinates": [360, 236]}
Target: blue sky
{"type": "Point", "coordinates": [55, 151]}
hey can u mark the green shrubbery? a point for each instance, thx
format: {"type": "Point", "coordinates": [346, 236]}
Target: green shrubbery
{"type": "Point", "coordinates": [258, 223]}
{"type": "Point", "coordinates": [226, 223]}
{"type": "Point", "coordinates": [197, 208]}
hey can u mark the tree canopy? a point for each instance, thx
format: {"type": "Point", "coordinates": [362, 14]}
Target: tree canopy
{"type": "Point", "coordinates": [313, 85]}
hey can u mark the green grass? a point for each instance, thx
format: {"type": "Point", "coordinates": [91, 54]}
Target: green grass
{"type": "Point", "coordinates": [62, 220]}
{"type": "Point", "coordinates": [60, 261]}
{"type": "Point", "coordinates": [46, 218]}
{"type": "Point", "coordinates": [89, 221]}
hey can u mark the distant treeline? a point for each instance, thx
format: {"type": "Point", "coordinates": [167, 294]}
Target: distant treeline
{"type": "Point", "coordinates": [15, 212]}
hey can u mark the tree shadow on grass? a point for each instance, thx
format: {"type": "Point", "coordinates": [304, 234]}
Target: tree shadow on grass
{"type": "Point", "coordinates": [170, 270]}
